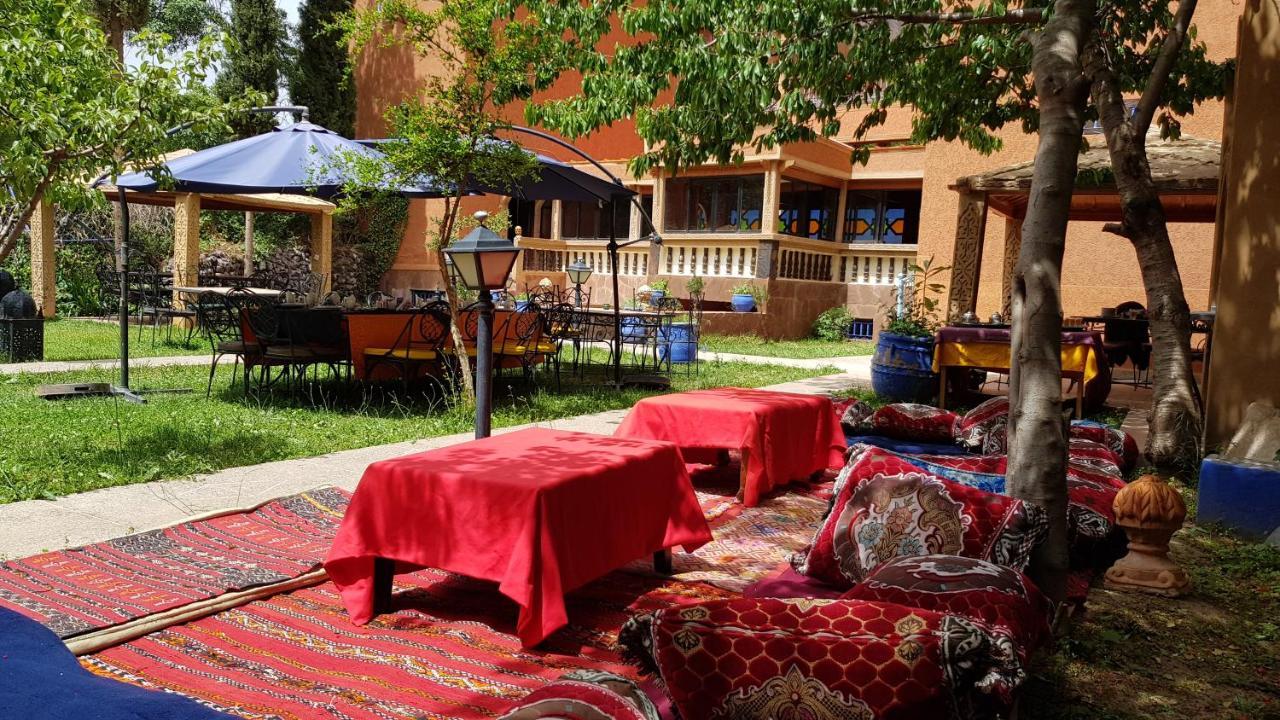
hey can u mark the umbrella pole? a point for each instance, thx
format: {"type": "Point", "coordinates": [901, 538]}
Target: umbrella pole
{"type": "Point", "coordinates": [617, 312]}
{"type": "Point", "coordinates": [124, 289]}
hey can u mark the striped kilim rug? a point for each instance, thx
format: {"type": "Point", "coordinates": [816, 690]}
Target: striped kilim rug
{"type": "Point", "coordinates": [88, 588]}
{"type": "Point", "coordinates": [449, 650]}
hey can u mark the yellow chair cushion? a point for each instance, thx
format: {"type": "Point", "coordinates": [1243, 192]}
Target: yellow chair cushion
{"type": "Point", "coordinates": [402, 353]}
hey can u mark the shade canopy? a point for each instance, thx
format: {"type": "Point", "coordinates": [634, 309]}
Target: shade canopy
{"type": "Point", "coordinates": [553, 180]}
{"type": "Point", "coordinates": [301, 159]}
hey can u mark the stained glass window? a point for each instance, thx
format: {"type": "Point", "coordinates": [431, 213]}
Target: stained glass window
{"type": "Point", "coordinates": [882, 216]}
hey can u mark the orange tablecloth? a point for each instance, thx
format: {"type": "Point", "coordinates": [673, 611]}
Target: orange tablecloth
{"type": "Point", "coordinates": [539, 511]}
{"type": "Point", "coordinates": [783, 436]}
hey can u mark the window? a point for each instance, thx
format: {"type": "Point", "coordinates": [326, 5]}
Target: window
{"type": "Point", "coordinates": [520, 214]}
{"type": "Point", "coordinates": [586, 220]}
{"type": "Point", "coordinates": [715, 204]}
{"type": "Point", "coordinates": [882, 216]}
{"type": "Point", "coordinates": [807, 210]}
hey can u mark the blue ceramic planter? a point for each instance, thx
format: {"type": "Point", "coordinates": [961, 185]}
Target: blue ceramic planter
{"type": "Point", "coordinates": [680, 342]}
{"type": "Point", "coordinates": [902, 368]}
{"type": "Point", "coordinates": [742, 302]}
{"type": "Point", "coordinates": [655, 296]}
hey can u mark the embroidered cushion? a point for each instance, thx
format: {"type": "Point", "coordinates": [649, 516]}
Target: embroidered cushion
{"type": "Point", "coordinates": [972, 428]}
{"type": "Point", "coordinates": [1120, 442]}
{"type": "Point", "coordinates": [913, 421]}
{"type": "Point", "coordinates": [821, 660]}
{"type": "Point", "coordinates": [585, 695]}
{"type": "Point", "coordinates": [1000, 600]}
{"type": "Point", "coordinates": [996, 439]}
{"type": "Point", "coordinates": [855, 416]}
{"type": "Point", "coordinates": [883, 507]}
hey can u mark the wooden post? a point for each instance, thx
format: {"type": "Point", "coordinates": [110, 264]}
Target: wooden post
{"type": "Point", "coordinates": [1012, 246]}
{"type": "Point", "coordinates": [186, 243]}
{"type": "Point", "coordinates": [44, 284]}
{"type": "Point", "coordinates": [248, 243]}
{"type": "Point", "coordinates": [771, 203]}
{"type": "Point", "coordinates": [322, 248]}
{"type": "Point", "coordinates": [966, 262]}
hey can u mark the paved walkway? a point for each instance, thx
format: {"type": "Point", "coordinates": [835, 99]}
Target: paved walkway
{"type": "Point", "coordinates": [57, 366]}
{"type": "Point", "coordinates": [35, 526]}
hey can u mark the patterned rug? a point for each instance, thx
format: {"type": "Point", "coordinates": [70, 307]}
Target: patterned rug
{"type": "Point", "coordinates": [449, 650]}
{"type": "Point", "coordinates": [76, 591]}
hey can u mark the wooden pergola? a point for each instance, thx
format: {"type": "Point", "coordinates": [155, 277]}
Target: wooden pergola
{"type": "Point", "coordinates": [186, 232]}
{"type": "Point", "coordinates": [1185, 172]}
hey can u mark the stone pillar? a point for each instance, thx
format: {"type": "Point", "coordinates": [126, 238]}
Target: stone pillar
{"type": "Point", "coordinates": [1012, 246]}
{"type": "Point", "coordinates": [557, 212]}
{"type": "Point", "coordinates": [186, 243]}
{"type": "Point", "coordinates": [966, 260]}
{"type": "Point", "coordinates": [772, 197]}
{"type": "Point", "coordinates": [248, 243]}
{"type": "Point", "coordinates": [44, 284]}
{"type": "Point", "coordinates": [659, 204]}
{"type": "Point", "coordinates": [767, 259]}
{"type": "Point", "coordinates": [322, 248]}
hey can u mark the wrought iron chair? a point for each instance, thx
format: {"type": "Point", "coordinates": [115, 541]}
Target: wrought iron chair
{"type": "Point", "coordinates": [562, 324]}
{"type": "Point", "coordinates": [420, 344]}
{"type": "Point", "coordinates": [219, 321]}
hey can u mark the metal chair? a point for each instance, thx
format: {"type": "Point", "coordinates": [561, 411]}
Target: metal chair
{"type": "Point", "coordinates": [219, 321]}
{"type": "Point", "coordinates": [1128, 339]}
{"type": "Point", "coordinates": [420, 344]}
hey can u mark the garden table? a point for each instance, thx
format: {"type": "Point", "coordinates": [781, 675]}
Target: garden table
{"type": "Point", "coordinates": [538, 511]}
{"type": "Point", "coordinates": [782, 436]}
{"type": "Point", "coordinates": [219, 290]}
{"type": "Point", "coordinates": [989, 349]}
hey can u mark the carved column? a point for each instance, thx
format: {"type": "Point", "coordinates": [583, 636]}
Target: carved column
{"type": "Point", "coordinates": [772, 199]}
{"type": "Point", "coordinates": [1012, 246]}
{"type": "Point", "coordinates": [44, 284]}
{"type": "Point", "coordinates": [322, 248]}
{"type": "Point", "coordinates": [966, 260]}
{"type": "Point", "coordinates": [186, 243]}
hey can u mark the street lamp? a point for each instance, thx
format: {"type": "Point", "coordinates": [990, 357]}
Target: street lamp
{"type": "Point", "coordinates": [483, 261]}
{"type": "Point", "coordinates": [579, 273]}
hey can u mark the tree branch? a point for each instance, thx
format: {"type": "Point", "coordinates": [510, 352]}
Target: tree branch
{"type": "Point", "coordinates": [1116, 229]}
{"type": "Point", "coordinates": [1016, 16]}
{"type": "Point", "coordinates": [11, 233]}
{"type": "Point", "coordinates": [1163, 66]}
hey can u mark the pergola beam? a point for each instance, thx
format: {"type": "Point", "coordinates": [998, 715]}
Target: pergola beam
{"type": "Point", "coordinates": [44, 282]}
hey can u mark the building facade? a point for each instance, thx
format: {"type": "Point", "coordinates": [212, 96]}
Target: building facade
{"type": "Point", "coordinates": [802, 222]}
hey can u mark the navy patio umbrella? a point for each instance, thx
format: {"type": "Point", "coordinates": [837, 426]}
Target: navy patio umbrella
{"type": "Point", "coordinates": [301, 159]}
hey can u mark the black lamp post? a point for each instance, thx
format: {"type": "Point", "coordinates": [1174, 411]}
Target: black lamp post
{"type": "Point", "coordinates": [483, 261]}
{"type": "Point", "coordinates": [579, 273]}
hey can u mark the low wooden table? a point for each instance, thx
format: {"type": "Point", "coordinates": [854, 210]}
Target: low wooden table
{"type": "Point", "coordinates": [538, 511]}
{"type": "Point", "coordinates": [782, 436]}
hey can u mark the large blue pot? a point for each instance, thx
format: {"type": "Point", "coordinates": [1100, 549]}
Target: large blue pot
{"type": "Point", "coordinates": [522, 305]}
{"type": "Point", "coordinates": [902, 368]}
{"type": "Point", "coordinates": [742, 302]}
{"type": "Point", "coordinates": [655, 296]}
{"type": "Point", "coordinates": [632, 329]}
{"type": "Point", "coordinates": [680, 342]}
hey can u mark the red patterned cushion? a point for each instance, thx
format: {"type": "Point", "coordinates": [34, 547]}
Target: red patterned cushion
{"type": "Point", "coordinates": [1120, 442]}
{"type": "Point", "coordinates": [1000, 600]}
{"type": "Point", "coordinates": [996, 439]}
{"type": "Point", "coordinates": [912, 421]}
{"type": "Point", "coordinates": [972, 429]}
{"type": "Point", "coordinates": [585, 695]}
{"type": "Point", "coordinates": [855, 416]}
{"type": "Point", "coordinates": [884, 507]}
{"type": "Point", "coordinates": [822, 660]}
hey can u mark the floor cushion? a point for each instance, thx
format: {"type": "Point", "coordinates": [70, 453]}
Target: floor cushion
{"type": "Point", "coordinates": [908, 447]}
{"type": "Point", "coordinates": [40, 678]}
{"type": "Point", "coordinates": [972, 428]}
{"type": "Point", "coordinates": [913, 421]}
{"type": "Point", "coordinates": [855, 415]}
{"type": "Point", "coordinates": [1120, 442]}
{"type": "Point", "coordinates": [785, 582]}
{"type": "Point", "coordinates": [585, 695]}
{"type": "Point", "coordinates": [883, 507]}
{"type": "Point", "coordinates": [822, 660]}
{"type": "Point", "coordinates": [1001, 600]}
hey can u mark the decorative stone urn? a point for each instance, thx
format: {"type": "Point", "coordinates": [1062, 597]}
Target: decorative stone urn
{"type": "Point", "coordinates": [1150, 511]}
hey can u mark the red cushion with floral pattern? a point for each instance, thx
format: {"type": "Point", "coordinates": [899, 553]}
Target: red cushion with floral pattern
{"type": "Point", "coordinates": [1001, 600]}
{"type": "Point", "coordinates": [973, 427]}
{"type": "Point", "coordinates": [884, 507]}
{"type": "Point", "coordinates": [913, 421]}
{"type": "Point", "coordinates": [809, 659]}
{"type": "Point", "coordinates": [1120, 442]}
{"type": "Point", "coordinates": [585, 695]}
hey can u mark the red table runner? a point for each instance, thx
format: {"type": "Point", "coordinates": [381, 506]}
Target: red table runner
{"type": "Point", "coordinates": [539, 511]}
{"type": "Point", "coordinates": [783, 436]}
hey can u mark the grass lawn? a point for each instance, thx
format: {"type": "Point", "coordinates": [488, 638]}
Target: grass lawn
{"type": "Point", "coordinates": [1212, 654]}
{"type": "Point", "coordinates": [63, 447]}
{"type": "Point", "coordinates": [808, 348]}
{"type": "Point", "coordinates": [93, 340]}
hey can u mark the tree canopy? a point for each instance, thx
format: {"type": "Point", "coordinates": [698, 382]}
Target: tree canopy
{"type": "Point", "coordinates": [69, 111]}
{"type": "Point", "coordinates": [256, 58]}
{"type": "Point", "coordinates": [706, 78]}
{"type": "Point", "coordinates": [320, 76]}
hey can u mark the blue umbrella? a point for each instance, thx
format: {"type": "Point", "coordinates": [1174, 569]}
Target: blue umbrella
{"type": "Point", "coordinates": [301, 159]}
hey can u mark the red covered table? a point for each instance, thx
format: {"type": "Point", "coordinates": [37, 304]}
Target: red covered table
{"type": "Point", "coordinates": [782, 436]}
{"type": "Point", "coordinates": [538, 511]}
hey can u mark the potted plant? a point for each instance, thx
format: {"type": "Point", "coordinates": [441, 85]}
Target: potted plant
{"type": "Point", "coordinates": [522, 302]}
{"type": "Point", "coordinates": [694, 286]}
{"type": "Point", "coordinates": [657, 291]}
{"type": "Point", "coordinates": [745, 296]}
{"type": "Point", "coordinates": [902, 367]}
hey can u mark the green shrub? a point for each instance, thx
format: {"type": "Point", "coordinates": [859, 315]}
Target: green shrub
{"type": "Point", "coordinates": [833, 324]}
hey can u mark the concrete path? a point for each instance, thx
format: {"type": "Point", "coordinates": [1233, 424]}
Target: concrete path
{"type": "Point", "coordinates": [36, 526]}
{"type": "Point", "coordinates": [57, 366]}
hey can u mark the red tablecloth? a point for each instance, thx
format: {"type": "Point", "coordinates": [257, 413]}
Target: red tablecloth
{"type": "Point", "coordinates": [539, 511]}
{"type": "Point", "coordinates": [785, 436]}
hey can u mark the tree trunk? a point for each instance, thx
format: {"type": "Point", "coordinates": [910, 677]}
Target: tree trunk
{"type": "Point", "coordinates": [1037, 431]}
{"type": "Point", "coordinates": [13, 233]}
{"type": "Point", "coordinates": [1175, 422]}
{"type": "Point", "coordinates": [447, 223]}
